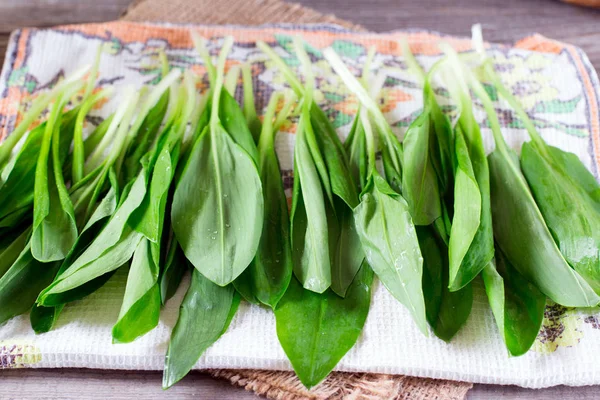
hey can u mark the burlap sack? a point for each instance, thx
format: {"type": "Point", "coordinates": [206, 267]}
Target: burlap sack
{"type": "Point", "coordinates": [282, 384]}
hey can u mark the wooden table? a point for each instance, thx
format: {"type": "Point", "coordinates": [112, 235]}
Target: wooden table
{"type": "Point", "coordinates": [503, 21]}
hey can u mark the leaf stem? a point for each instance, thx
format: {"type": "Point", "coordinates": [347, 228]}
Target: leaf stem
{"type": "Point", "coordinates": [267, 134]}
{"type": "Point", "coordinates": [225, 49]}
{"type": "Point", "coordinates": [413, 65]}
{"type": "Point", "coordinates": [78, 143]}
{"type": "Point", "coordinates": [201, 49]}
{"type": "Point", "coordinates": [309, 78]}
{"type": "Point", "coordinates": [289, 75]}
{"type": "Point", "coordinates": [231, 79]}
{"type": "Point", "coordinates": [249, 108]}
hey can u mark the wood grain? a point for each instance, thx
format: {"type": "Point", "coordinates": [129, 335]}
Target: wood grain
{"type": "Point", "coordinates": [16, 14]}
{"type": "Point", "coordinates": [110, 385]}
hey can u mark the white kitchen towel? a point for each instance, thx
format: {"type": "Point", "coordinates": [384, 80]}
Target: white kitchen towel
{"type": "Point", "coordinates": [554, 81]}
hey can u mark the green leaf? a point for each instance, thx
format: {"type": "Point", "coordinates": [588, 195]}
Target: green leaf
{"type": "Point", "coordinates": [446, 311]}
{"type": "Point", "coordinates": [12, 249]}
{"type": "Point", "coordinates": [205, 314]}
{"type": "Point", "coordinates": [393, 176]}
{"type": "Point", "coordinates": [18, 177]}
{"type": "Point", "coordinates": [269, 274]}
{"type": "Point", "coordinates": [419, 181]}
{"type": "Point", "coordinates": [141, 303]}
{"type": "Point", "coordinates": [20, 285]}
{"type": "Point", "coordinates": [518, 220]}
{"type": "Point", "coordinates": [218, 207]}
{"type": "Point", "coordinates": [471, 244]}
{"type": "Point", "coordinates": [442, 144]}
{"type": "Point", "coordinates": [518, 306]}
{"type": "Point", "coordinates": [345, 250]}
{"type": "Point", "coordinates": [148, 218]}
{"type": "Point", "coordinates": [144, 137]}
{"type": "Point", "coordinates": [356, 149]}
{"type": "Point", "coordinates": [43, 318]}
{"type": "Point", "coordinates": [235, 125]}
{"type": "Point", "coordinates": [174, 267]}
{"type": "Point", "coordinates": [335, 158]}
{"type": "Point", "coordinates": [348, 254]}
{"type": "Point", "coordinates": [568, 197]}
{"type": "Point", "coordinates": [110, 249]}
{"type": "Point", "coordinates": [390, 242]}
{"type": "Point", "coordinates": [54, 224]}
{"type": "Point", "coordinates": [310, 249]}
{"type": "Point", "coordinates": [317, 330]}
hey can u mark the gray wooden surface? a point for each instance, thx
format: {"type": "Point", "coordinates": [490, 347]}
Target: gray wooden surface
{"type": "Point", "coordinates": [503, 21]}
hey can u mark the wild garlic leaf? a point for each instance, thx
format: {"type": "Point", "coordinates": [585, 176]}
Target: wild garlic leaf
{"type": "Point", "coordinates": [18, 177]}
{"type": "Point", "coordinates": [43, 318]}
{"type": "Point", "coordinates": [356, 148]}
{"type": "Point", "coordinates": [471, 240]}
{"type": "Point", "coordinates": [345, 250]}
{"type": "Point", "coordinates": [518, 306]}
{"type": "Point", "coordinates": [20, 285]}
{"type": "Point", "coordinates": [342, 184]}
{"type": "Point", "coordinates": [442, 143]}
{"type": "Point", "coordinates": [233, 121]}
{"type": "Point", "coordinates": [518, 220]}
{"type": "Point", "coordinates": [148, 218]}
{"type": "Point", "coordinates": [419, 180]}
{"type": "Point", "coordinates": [113, 246]}
{"type": "Point", "coordinates": [467, 208]}
{"type": "Point", "coordinates": [175, 265]}
{"type": "Point", "coordinates": [392, 175]}
{"type": "Point", "coordinates": [54, 224]}
{"type": "Point", "coordinates": [141, 304]}
{"type": "Point", "coordinates": [564, 191]}
{"type": "Point", "coordinates": [391, 245]}
{"type": "Point", "coordinates": [348, 255]}
{"type": "Point", "coordinates": [310, 249]}
{"type": "Point", "coordinates": [205, 314]}
{"type": "Point", "coordinates": [218, 207]}
{"type": "Point", "coordinates": [269, 274]}
{"type": "Point", "coordinates": [12, 249]}
{"type": "Point", "coordinates": [317, 330]}
{"type": "Point", "coordinates": [446, 311]}
{"type": "Point", "coordinates": [145, 137]}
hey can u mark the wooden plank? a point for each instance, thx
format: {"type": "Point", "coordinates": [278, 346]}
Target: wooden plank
{"type": "Point", "coordinates": [16, 14]}
{"type": "Point", "coordinates": [25, 384]}
{"type": "Point", "coordinates": [110, 385]}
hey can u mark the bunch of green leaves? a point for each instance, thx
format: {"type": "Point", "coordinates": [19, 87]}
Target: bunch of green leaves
{"type": "Point", "coordinates": [268, 276]}
{"type": "Point", "coordinates": [217, 208]}
{"type": "Point", "coordinates": [17, 179]}
{"type": "Point", "coordinates": [208, 307]}
{"type": "Point", "coordinates": [428, 186]}
{"type": "Point", "coordinates": [383, 220]}
{"type": "Point", "coordinates": [517, 304]}
{"type": "Point", "coordinates": [317, 329]}
{"type": "Point", "coordinates": [325, 245]}
{"type": "Point", "coordinates": [566, 193]}
{"type": "Point", "coordinates": [471, 243]}
{"type": "Point", "coordinates": [134, 227]}
{"type": "Point", "coordinates": [23, 276]}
